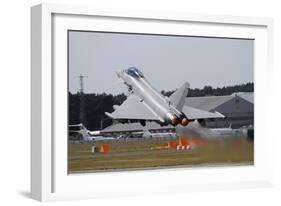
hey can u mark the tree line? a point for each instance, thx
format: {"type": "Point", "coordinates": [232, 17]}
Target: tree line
{"type": "Point", "coordinates": [96, 104]}
{"type": "Point", "coordinates": [219, 91]}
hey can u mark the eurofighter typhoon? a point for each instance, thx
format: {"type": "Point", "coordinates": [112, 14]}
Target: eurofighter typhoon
{"type": "Point", "coordinates": [144, 103]}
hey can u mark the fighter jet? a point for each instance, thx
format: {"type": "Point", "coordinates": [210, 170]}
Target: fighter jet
{"type": "Point", "coordinates": [144, 103]}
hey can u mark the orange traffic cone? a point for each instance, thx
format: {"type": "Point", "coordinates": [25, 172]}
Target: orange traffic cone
{"type": "Point", "coordinates": [104, 148]}
{"type": "Point", "coordinates": [172, 145]}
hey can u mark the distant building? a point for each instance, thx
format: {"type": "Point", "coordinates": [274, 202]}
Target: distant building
{"type": "Point", "coordinates": [237, 108]}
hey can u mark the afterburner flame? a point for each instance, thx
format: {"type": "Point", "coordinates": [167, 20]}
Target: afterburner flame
{"type": "Point", "coordinates": [184, 122]}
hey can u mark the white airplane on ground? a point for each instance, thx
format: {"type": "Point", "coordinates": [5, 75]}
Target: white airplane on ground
{"type": "Point", "coordinates": [86, 134]}
{"type": "Point", "coordinates": [147, 134]}
{"type": "Point", "coordinates": [195, 129]}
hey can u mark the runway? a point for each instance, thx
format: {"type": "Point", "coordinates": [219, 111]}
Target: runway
{"type": "Point", "coordinates": [135, 155]}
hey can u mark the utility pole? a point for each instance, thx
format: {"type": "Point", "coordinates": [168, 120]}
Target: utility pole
{"type": "Point", "coordinates": [82, 101]}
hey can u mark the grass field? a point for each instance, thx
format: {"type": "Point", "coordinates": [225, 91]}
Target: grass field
{"type": "Point", "coordinates": [141, 153]}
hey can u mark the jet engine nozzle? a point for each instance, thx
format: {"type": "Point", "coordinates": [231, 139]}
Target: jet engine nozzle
{"type": "Point", "coordinates": [184, 121]}
{"type": "Point", "coordinates": [174, 120]}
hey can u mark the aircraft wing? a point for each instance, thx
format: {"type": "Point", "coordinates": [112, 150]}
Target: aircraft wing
{"type": "Point", "coordinates": [193, 113]}
{"type": "Point", "coordinates": [133, 108]}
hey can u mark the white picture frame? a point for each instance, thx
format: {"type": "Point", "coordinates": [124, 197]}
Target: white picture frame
{"type": "Point", "coordinates": [49, 178]}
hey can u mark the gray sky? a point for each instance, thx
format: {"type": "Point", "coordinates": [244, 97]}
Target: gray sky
{"type": "Point", "coordinates": [166, 61]}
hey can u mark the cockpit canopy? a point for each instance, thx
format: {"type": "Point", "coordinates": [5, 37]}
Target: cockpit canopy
{"type": "Point", "coordinates": [134, 72]}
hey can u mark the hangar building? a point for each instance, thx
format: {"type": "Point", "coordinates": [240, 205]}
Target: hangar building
{"type": "Point", "coordinates": [237, 108]}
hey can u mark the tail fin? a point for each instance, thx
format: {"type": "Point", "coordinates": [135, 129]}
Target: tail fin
{"type": "Point", "coordinates": [178, 97]}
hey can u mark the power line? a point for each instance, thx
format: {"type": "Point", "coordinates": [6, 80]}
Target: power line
{"type": "Point", "coordinates": [81, 78]}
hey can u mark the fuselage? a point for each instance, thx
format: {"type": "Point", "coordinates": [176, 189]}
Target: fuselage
{"type": "Point", "coordinates": [154, 100]}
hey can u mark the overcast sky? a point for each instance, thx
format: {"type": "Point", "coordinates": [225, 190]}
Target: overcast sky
{"type": "Point", "coordinates": [166, 61]}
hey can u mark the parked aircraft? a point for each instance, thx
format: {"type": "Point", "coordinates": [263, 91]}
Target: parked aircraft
{"type": "Point", "coordinates": [85, 134]}
{"type": "Point", "coordinates": [195, 129]}
{"type": "Point", "coordinates": [147, 134]}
